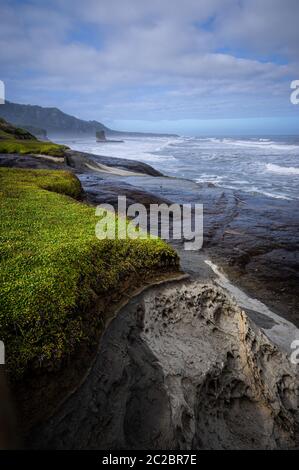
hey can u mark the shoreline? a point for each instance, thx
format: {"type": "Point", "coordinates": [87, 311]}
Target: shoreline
{"type": "Point", "coordinates": [103, 183]}
{"type": "Point", "coordinates": [276, 327]}
{"type": "Point", "coordinates": [223, 209]}
{"type": "Point", "coordinates": [104, 178]}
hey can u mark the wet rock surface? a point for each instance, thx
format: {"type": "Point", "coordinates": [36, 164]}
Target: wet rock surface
{"type": "Point", "coordinates": [31, 161]}
{"type": "Point", "coordinates": [78, 162]}
{"type": "Point", "coordinates": [181, 367]}
{"type": "Point", "coordinates": [254, 237]}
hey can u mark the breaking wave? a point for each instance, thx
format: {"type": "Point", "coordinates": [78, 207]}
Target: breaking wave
{"type": "Point", "coordinates": [282, 170]}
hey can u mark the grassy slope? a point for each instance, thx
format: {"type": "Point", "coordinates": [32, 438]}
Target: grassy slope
{"type": "Point", "coordinates": [17, 140]}
{"type": "Point", "coordinates": [52, 265]}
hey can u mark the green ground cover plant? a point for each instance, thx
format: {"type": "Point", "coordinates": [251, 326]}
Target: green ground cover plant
{"type": "Point", "coordinates": [52, 266]}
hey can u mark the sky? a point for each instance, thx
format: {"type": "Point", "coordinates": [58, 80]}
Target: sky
{"type": "Point", "coordinates": [186, 66]}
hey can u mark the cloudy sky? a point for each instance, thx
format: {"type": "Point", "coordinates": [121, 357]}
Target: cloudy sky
{"type": "Point", "coordinates": [187, 66]}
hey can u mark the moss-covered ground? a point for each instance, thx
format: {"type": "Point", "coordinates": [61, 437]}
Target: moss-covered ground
{"type": "Point", "coordinates": [17, 140]}
{"type": "Point", "coordinates": [53, 267]}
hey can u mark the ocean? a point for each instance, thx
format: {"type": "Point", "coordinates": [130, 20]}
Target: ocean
{"type": "Point", "coordinates": [262, 165]}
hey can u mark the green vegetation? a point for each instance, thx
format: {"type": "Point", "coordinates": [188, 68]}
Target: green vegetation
{"type": "Point", "coordinates": [17, 140]}
{"type": "Point", "coordinates": [8, 131]}
{"type": "Point", "coordinates": [53, 267]}
{"type": "Point", "coordinates": [37, 147]}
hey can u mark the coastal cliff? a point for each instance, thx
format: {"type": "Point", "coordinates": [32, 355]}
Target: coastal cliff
{"type": "Point", "coordinates": [58, 283]}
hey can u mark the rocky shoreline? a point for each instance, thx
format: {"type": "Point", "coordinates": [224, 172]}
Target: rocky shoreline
{"type": "Point", "coordinates": [259, 256]}
{"type": "Point", "coordinates": [241, 232]}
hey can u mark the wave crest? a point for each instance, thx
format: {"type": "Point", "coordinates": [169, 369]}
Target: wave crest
{"type": "Point", "coordinates": [282, 170]}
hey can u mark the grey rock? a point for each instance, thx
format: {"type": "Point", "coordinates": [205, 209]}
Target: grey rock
{"type": "Point", "coordinates": [181, 367]}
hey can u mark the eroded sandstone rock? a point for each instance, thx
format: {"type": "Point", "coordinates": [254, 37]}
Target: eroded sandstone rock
{"type": "Point", "coordinates": [181, 367]}
{"type": "Point", "coordinates": [228, 386]}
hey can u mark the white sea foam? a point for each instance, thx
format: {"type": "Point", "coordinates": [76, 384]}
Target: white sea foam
{"type": "Point", "coordinates": [282, 170]}
{"type": "Point", "coordinates": [266, 144]}
{"type": "Point", "coordinates": [263, 144]}
{"type": "Point", "coordinates": [255, 189]}
{"type": "Point", "coordinates": [205, 178]}
{"type": "Point", "coordinates": [143, 149]}
{"type": "Point", "coordinates": [218, 181]}
{"type": "Point", "coordinates": [273, 195]}
{"type": "Point", "coordinates": [249, 165]}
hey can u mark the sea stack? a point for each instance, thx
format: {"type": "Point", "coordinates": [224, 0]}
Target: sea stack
{"type": "Point", "coordinates": [100, 136]}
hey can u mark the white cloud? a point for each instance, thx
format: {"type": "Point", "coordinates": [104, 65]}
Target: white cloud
{"type": "Point", "coordinates": [153, 57]}
{"type": "Point", "coordinates": [267, 26]}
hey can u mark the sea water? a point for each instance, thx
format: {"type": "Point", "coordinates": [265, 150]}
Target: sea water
{"type": "Point", "coordinates": [263, 164]}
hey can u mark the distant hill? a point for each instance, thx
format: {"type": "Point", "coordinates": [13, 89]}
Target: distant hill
{"type": "Point", "coordinates": [54, 121]}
